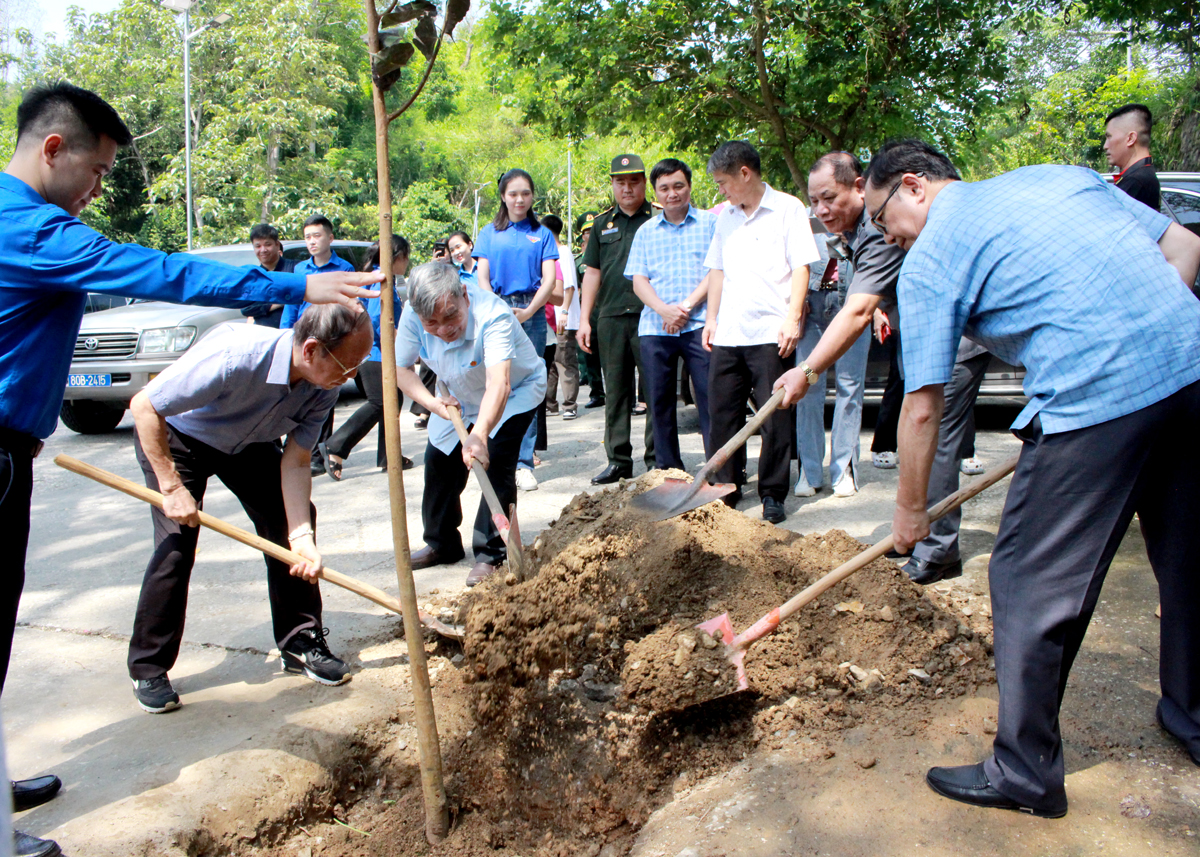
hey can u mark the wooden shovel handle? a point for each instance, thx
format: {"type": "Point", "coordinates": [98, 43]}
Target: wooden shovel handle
{"type": "Point", "coordinates": [768, 623]}
{"type": "Point", "coordinates": [722, 455]}
{"type": "Point", "coordinates": [271, 549]}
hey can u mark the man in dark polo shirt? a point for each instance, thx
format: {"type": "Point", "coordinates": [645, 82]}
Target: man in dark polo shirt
{"type": "Point", "coordinates": [268, 249]}
{"type": "Point", "coordinates": [607, 289]}
{"type": "Point", "coordinates": [1127, 144]}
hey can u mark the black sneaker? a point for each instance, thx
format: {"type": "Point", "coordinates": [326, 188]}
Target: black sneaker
{"type": "Point", "coordinates": [307, 654]}
{"type": "Point", "coordinates": [156, 694]}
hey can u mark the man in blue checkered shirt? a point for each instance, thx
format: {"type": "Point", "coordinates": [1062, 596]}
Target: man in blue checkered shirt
{"type": "Point", "coordinates": [1038, 266]}
{"type": "Point", "coordinates": [666, 264]}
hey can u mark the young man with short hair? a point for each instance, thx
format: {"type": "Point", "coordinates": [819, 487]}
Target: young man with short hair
{"type": "Point", "coordinates": [1127, 144]}
{"type": "Point", "coordinates": [67, 143]}
{"type": "Point", "coordinates": [757, 288]}
{"type": "Point", "coordinates": [268, 249]}
{"type": "Point", "coordinates": [666, 264]}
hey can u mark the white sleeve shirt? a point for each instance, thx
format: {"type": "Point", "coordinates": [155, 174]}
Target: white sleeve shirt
{"type": "Point", "coordinates": [757, 255]}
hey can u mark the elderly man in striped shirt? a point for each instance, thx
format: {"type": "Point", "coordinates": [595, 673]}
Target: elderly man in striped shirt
{"type": "Point", "coordinates": [666, 264]}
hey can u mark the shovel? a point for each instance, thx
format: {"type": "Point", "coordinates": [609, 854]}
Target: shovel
{"type": "Point", "coordinates": [737, 646]}
{"type": "Point", "coordinates": [507, 525]}
{"type": "Point", "coordinates": [675, 496]}
{"type": "Point", "coordinates": [271, 549]}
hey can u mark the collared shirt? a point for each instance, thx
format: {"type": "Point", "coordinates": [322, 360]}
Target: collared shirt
{"type": "Point", "coordinates": [492, 336]}
{"type": "Point", "coordinates": [232, 389]}
{"type": "Point", "coordinates": [1052, 269]}
{"type": "Point", "coordinates": [470, 278]}
{"type": "Point", "coordinates": [671, 256]}
{"type": "Point", "coordinates": [608, 251]}
{"type": "Point", "coordinates": [515, 256]}
{"type": "Point", "coordinates": [1140, 180]}
{"type": "Point", "coordinates": [292, 312]}
{"type": "Point", "coordinates": [758, 254]}
{"type": "Point", "coordinates": [876, 265]}
{"type": "Point", "coordinates": [49, 261]}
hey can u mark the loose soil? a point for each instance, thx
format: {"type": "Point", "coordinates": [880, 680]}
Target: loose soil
{"type": "Point", "coordinates": [566, 719]}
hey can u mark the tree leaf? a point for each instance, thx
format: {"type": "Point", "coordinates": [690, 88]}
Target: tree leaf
{"type": "Point", "coordinates": [386, 68]}
{"type": "Point", "coordinates": [456, 10]}
{"type": "Point", "coordinates": [406, 12]}
{"type": "Point", "coordinates": [425, 37]}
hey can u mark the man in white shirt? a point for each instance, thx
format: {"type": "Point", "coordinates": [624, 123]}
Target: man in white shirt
{"type": "Point", "coordinates": [756, 298]}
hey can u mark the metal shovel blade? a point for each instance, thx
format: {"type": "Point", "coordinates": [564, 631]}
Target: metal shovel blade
{"type": "Point", "coordinates": [675, 496]}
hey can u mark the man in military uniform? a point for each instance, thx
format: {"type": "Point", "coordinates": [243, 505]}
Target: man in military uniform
{"type": "Point", "coordinates": [607, 290]}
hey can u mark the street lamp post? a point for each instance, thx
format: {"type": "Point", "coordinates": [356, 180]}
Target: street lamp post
{"type": "Point", "coordinates": [185, 6]}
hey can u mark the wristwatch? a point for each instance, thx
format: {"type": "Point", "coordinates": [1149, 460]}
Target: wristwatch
{"type": "Point", "coordinates": [687, 307]}
{"type": "Point", "coordinates": [809, 374]}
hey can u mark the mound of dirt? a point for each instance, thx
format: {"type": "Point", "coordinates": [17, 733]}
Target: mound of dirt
{"type": "Point", "coordinates": [568, 721]}
{"type": "Point", "coordinates": [580, 677]}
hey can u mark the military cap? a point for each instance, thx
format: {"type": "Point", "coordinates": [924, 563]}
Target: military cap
{"type": "Point", "coordinates": [584, 221]}
{"type": "Point", "coordinates": [626, 165]}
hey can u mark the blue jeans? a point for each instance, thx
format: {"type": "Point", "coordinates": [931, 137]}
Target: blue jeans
{"type": "Point", "coordinates": [535, 329]}
{"type": "Point", "coordinates": [850, 371]}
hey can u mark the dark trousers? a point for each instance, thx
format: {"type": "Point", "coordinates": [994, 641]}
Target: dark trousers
{"type": "Point", "coordinates": [941, 545]}
{"type": "Point", "coordinates": [429, 379]}
{"type": "Point", "coordinates": [368, 415]}
{"type": "Point", "coordinates": [660, 357]}
{"type": "Point", "coordinates": [621, 353]}
{"type": "Point", "coordinates": [592, 361]}
{"type": "Point", "coordinates": [446, 477]}
{"type": "Point", "coordinates": [16, 491]}
{"type": "Point", "coordinates": [1070, 503]}
{"type": "Point", "coordinates": [544, 408]}
{"type": "Point", "coordinates": [735, 374]}
{"type": "Point", "coordinates": [893, 397]}
{"type": "Point", "coordinates": [253, 477]}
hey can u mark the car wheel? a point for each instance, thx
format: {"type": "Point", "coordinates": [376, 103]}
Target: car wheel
{"type": "Point", "coordinates": [87, 417]}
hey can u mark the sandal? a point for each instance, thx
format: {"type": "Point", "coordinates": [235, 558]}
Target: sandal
{"type": "Point", "coordinates": [333, 468]}
{"type": "Point", "coordinates": [421, 422]}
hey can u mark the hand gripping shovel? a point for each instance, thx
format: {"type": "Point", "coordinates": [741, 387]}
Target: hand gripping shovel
{"type": "Point", "coordinates": [737, 646]}
{"type": "Point", "coordinates": [675, 496]}
{"type": "Point", "coordinates": [507, 525]}
{"type": "Point", "coordinates": [271, 549]}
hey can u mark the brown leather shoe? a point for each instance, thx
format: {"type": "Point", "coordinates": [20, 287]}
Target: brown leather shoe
{"type": "Point", "coordinates": [428, 557]}
{"type": "Point", "coordinates": [480, 572]}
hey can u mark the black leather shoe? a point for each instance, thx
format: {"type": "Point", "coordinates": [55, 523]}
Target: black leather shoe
{"type": "Point", "coordinates": [969, 784]}
{"type": "Point", "coordinates": [612, 473]}
{"type": "Point", "coordinates": [1158, 718]}
{"type": "Point", "coordinates": [732, 498]}
{"type": "Point", "coordinates": [773, 511]}
{"type": "Point", "coordinates": [428, 557]}
{"type": "Point", "coordinates": [924, 572]}
{"type": "Point", "coordinates": [594, 402]}
{"type": "Point", "coordinates": [25, 845]}
{"type": "Point", "coordinates": [895, 554]}
{"type": "Point", "coordinates": [30, 793]}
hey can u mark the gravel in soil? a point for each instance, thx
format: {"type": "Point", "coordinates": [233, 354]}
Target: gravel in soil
{"type": "Point", "coordinates": [568, 720]}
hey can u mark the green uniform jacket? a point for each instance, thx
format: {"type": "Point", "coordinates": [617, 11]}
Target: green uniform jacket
{"type": "Point", "coordinates": [608, 250]}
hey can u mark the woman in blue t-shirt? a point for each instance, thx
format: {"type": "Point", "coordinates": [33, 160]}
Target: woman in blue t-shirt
{"type": "Point", "coordinates": [515, 259]}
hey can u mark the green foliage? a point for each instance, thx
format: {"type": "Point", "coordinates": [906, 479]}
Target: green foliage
{"type": "Point", "coordinates": [427, 216]}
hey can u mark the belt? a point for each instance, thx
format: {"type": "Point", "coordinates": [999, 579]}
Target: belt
{"type": "Point", "coordinates": [16, 441]}
{"type": "Point", "coordinates": [827, 286]}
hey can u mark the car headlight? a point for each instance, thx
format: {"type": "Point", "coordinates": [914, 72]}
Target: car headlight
{"type": "Point", "coordinates": [159, 340]}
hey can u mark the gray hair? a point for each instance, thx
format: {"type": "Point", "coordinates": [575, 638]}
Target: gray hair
{"type": "Point", "coordinates": [328, 324]}
{"type": "Point", "coordinates": [431, 284]}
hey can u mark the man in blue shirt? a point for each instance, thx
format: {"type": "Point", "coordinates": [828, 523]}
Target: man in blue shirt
{"type": "Point", "coordinates": [1034, 265]}
{"type": "Point", "coordinates": [67, 141]}
{"type": "Point", "coordinates": [219, 411]}
{"type": "Point", "coordinates": [472, 340]}
{"type": "Point", "coordinates": [666, 264]}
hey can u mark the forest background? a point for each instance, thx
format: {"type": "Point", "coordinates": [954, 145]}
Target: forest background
{"type": "Point", "coordinates": [283, 125]}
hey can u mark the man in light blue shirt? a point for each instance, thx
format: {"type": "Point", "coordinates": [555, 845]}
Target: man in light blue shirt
{"type": "Point", "coordinates": [470, 338]}
{"type": "Point", "coordinates": [318, 237]}
{"type": "Point", "coordinates": [1037, 266]}
{"type": "Point", "coordinates": [666, 264]}
{"type": "Point", "coordinates": [219, 411]}
{"type": "Point", "coordinates": [67, 141]}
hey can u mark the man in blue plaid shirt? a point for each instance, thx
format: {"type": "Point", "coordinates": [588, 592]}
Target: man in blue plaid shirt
{"type": "Point", "coordinates": [666, 264]}
{"type": "Point", "coordinates": [1037, 265]}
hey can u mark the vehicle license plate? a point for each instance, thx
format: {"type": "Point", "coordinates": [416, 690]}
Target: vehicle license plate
{"type": "Point", "coordinates": [89, 380]}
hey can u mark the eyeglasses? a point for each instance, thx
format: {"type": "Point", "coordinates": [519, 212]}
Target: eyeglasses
{"type": "Point", "coordinates": [346, 373]}
{"type": "Point", "coordinates": [875, 218]}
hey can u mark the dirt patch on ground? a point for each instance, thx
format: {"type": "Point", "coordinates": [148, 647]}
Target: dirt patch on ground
{"type": "Point", "coordinates": [567, 722]}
